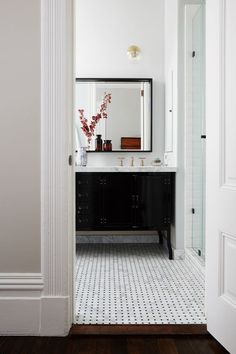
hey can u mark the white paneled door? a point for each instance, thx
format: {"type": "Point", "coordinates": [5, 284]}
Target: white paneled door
{"type": "Point", "coordinates": [221, 171]}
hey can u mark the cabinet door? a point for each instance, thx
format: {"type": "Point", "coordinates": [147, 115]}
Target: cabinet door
{"type": "Point", "coordinates": [153, 208]}
{"type": "Point", "coordinates": [88, 201]}
{"type": "Point", "coordinates": [118, 201]}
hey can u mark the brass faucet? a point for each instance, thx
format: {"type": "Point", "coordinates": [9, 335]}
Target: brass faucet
{"type": "Point", "coordinates": [142, 161]}
{"type": "Point", "coordinates": [121, 161]}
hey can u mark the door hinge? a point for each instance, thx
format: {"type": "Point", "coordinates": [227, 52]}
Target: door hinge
{"type": "Point", "coordinates": [70, 160]}
{"type": "Point", "coordinates": [193, 211]}
{"type": "Point", "coordinates": [142, 93]}
{"type": "Point", "coordinates": [193, 53]}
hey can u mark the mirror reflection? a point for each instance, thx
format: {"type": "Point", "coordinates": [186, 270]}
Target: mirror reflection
{"type": "Point", "coordinates": [114, 114]}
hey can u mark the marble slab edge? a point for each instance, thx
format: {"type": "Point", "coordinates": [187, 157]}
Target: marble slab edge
{"type": "Point", "coordinates": [124, 169]}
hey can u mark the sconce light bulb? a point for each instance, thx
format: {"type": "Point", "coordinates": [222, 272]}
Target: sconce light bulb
{"type": "Point", "coordinates": [133, 52]}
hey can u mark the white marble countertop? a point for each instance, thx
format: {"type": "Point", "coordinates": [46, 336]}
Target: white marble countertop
{"type": "Point", "coordinates": [125, 169]}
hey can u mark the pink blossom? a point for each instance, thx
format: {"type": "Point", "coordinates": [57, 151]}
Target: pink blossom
{"type": "Point", "coordinates": [89, 129]}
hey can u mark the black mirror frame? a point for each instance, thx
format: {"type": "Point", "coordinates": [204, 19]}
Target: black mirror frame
{"type": "Point", "coordinates": [150, 80]}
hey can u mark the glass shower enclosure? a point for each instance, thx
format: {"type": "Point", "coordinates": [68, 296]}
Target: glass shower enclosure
{"type": "Point", "coordinates": [198, 131]}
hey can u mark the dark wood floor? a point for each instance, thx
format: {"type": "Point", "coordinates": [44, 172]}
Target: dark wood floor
{"type": "Point", "coordinates": [140, 330]}
{"type": "Point", "coordinates": [111, 345]}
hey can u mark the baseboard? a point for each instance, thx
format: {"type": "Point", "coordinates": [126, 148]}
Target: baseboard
{"type": "Point", "coordinates": [196, 261]}
{"type": "Point", "coordinates": [54, 316]}
{"type": "Point", "coordinates": [26, 312]}
{"type": "Point", "coordinates": [178, 254]}
{"type": "Point", "coordinates": [34, 316]}
{"type": "Point", "coordinates": [19, 316]}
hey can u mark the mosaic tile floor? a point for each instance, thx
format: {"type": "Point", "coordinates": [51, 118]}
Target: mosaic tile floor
{"type": "Point", "coordinates": [136, 284]}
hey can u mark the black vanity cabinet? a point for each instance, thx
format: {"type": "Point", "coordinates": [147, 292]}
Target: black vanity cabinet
{"type": "Point", "coordinates": [125, 201]}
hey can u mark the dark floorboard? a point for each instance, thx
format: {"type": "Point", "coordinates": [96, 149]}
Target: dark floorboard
{"type": "Point", "coordinates": [131, 329]}
{"type": "Point", "coordinates": [111, 345]}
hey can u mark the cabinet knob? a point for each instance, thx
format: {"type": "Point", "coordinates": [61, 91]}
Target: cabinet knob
{"type": "Point", "coordinates": [103, 221]}
{"type": "Point", "coordinates": [103, 180]}
{"type": "Point", "coordinates": [84, 220]}
{"type": "Point", "coordinates": [83, 207]}
{"type": "Point", "coordinates": [79, 181]}
{"type": "Point", "coordinates": [166, 220]}
{"type": "Point", "coordinates": [82, 195]}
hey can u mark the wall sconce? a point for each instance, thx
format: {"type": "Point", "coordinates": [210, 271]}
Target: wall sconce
{"type": "Point", "coordinates": [133, 52]}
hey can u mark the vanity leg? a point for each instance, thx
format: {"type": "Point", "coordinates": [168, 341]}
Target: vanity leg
{"type": "Point", "coordinates": [169, 243]}
{"type": "Point", "coordinates": [160, 237]}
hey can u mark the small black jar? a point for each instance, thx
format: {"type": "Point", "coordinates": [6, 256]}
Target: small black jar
{"type": "Point", "coordinates": [107, 146]}
{"type": "Point", "coordinates": [98, 143]}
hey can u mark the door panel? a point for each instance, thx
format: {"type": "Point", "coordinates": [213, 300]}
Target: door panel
{"type": "Point", "coordinates": [117, 200]}
{"type": "Point", "coordinates": [88, 201]}
{"type": "Point", "coordinates": [153, 207]}
{"type": "Point", "coordinates": [221, 171]}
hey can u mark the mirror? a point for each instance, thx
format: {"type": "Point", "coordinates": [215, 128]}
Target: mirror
{"type": "Point", "coordinates": [114, 114]}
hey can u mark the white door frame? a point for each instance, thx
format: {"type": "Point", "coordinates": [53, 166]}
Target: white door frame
{"type": "Point", "coordinates": [56, 175]}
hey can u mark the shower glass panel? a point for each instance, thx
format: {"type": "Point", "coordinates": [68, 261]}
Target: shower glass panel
{"type": "Point", "coordinates": [198, 132]}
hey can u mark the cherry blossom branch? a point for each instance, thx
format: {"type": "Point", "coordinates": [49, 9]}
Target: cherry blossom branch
{"type": "Point", "coordinates": [89, 128]}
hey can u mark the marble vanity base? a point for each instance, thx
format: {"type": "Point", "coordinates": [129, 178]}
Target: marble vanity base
{"type": "Point", "coordinates": [136, 284]}
{"type": "Point", "coordinates": [118, 238]}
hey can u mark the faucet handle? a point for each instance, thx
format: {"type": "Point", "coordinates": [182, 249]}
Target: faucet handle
{"type": "Point", "coordinates": [142, 161]}
{"type": "Point", "coordinates": [121, 160]}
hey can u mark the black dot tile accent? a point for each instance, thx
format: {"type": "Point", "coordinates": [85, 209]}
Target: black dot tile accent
{"type": "Point", "coordinates": [136, 283]}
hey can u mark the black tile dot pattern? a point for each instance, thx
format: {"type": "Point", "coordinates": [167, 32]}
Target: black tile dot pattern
{"type": "Point", "coordinates": [136, 284]}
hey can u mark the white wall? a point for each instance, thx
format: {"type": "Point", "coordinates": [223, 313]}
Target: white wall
{"type": "Point", "coordinates": [20, 136]}
{"type": "Point", "coordinates": [123, 115]}
{"type": "Point", "coordinates": [172, 119]}
{"type": "Point", "coordinates": [104, 30]}
{"type": "Point", "coordinates": [171, 78]}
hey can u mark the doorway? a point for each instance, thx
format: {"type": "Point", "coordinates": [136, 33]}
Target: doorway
{"type": "Point", "coordinates": [119, 282]}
